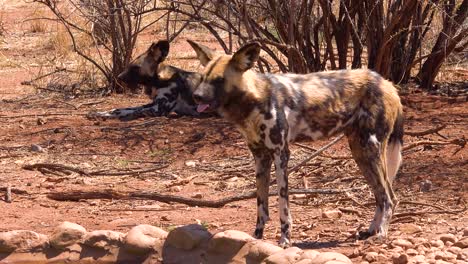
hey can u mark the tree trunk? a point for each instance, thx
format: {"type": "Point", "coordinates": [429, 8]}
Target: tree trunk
{"type": "Point", "coordinates": [445, 44]}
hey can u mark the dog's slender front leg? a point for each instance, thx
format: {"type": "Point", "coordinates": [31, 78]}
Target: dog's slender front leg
{"type": "Point", "coordinates": [263, 162]}
{"type": "Point", "coordinates": [281, 165]}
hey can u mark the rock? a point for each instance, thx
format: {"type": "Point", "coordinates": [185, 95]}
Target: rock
{"type": "Point", "coordinates": [448, 237]}
{"type": "Point", "coordinates": [462, 243]}
{"type": "Point", "coordinates": [399, 258]}
{"type": "Point", "coordinates": [37, 148]}
{"type": "Point", "coordinates": [437, 243]}
{"type": "Point", "coordinates": [67, 234]}
{"type": "Point", "coordinates": [441, 262]}
{"type": "Point", "coordinates": [197, 195]}
{"type": "Point", "coordinates": [259, 250]}
{"type": "Point", "coordinates": [309, 254]}
{"type": "Point", "coordinates": [371, 256]}
{"type": "Point", "coordinates": [144, 238]}
{"type": "Point", "coordinates": [289, 255]}
{"type": "Point", "coordinates": [412, 252]}
{"type": "Point", "coordinates": [450, 256]}
{"type": "Point", "coordinates": [463, 254]}
{"type": "Point", "coordinates": [448, 244]}
{"type": "Point", "coordinates": [425, 186]}
{"type": "Point", "coordinates": [465, 232]}
{"type": "Point", "coordinates": [22, 241]}
{"type": "Point", "coordinates": [332, 214]}
{"type": "Point", "coordinates": [188, 237]}
{"type": "Point", "coordinates": [409, 228]}
{"type": "Point", "coordinates": [324, 257]}
{"type": "Point", "coordinates": [228, 241]}
{"type": "Point", "coordinates": [402, 243]}
{"type": "Point", "coordinates": [454, 250]}
{"type": "Point", "coordinates": [103, 239]}
{"type": "Point", "coordinates": [418, 259]}
{"type": "Point", "coordinates": [176, 189]}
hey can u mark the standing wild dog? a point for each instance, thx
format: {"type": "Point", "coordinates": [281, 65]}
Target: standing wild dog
{"type": "Point", "coordinates": [169, 87]}
{"type": "Point", "coordinates": [270, 110]}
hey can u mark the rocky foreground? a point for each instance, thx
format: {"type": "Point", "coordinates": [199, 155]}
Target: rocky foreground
{"type": "Point", "coordinates": [71, 243]}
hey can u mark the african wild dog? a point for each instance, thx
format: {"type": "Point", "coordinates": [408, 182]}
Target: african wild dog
{"type": "Point", "coordinates": [270, 110]}
{"type": "Point", "coordinates": [170, 88]}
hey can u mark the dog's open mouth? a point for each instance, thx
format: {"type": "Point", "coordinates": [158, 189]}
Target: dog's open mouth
{"type": "Point", "coordinates": [202, 107]}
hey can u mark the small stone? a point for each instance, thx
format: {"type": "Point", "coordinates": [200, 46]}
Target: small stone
{"type": "Point", "coordinates": [463, 254]}
{"type": "Point", "coordinates": [103, 239]}
{"type": "Point", "coordinates": [37, 148]}
{"type": "Point", "coordinates": [448, 244]}
{"type": "Point", "coordinates": [197, 196]}
{"type": "Point", "coordinates": [462, 243]}
{"type": "Point", "coordinates": [289, 255]}
{"type": "Point", "coordinates": [165, 218]}
{"type": "Point", "coordinates": [437, 243]}
{"type": "Point", "coordinates": [67, 234]}
{"type": "Point", "coordinates": [41, 121]}
{"type": "Point", "coordinates": [191, 163]}
{"type": "Point", "coordinates": [465, 232]}
{"type": "Point", "coordinates": [412, 252]}
{"type": "Point", "coordinates": [448, 256]}
{"type": "Point", "coordinates": [448, 237]}
{"type": "Point", "coordinates": [188, 237]}
{"type": "Point", "coordinates": [176, 189]}
{"type": "Point", "coordinates": [399, 258]}
{"type": "Point", "coordinates": [454, 250]}
{"type": "Point", "coordinates": [371, 256]}
{"type": "Point", "coordinates": [425, 186]}
{"type": "Point", "coordinates": [22, 241]}
{"type": "Point", "coordinates": [144, 238]}
{"type": "Point", "coordinates": [402, 243]}
{"type": "Point", "coordinates": [229, 241]}
{"type": "Point", "coordinates": [418, 259]}
{"type": "Point", "coordinates": [409, 228]}
{"type": "Point", "coordinates": [332, 214]}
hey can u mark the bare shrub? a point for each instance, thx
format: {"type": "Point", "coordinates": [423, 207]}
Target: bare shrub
{"type": "Point", "coordinates": [112, 27]}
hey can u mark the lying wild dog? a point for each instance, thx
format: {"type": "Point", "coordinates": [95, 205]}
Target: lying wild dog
{"type": "Point", "coordinates": [169, 87]}
{"type": "Point", "coordinates": [271, 110]}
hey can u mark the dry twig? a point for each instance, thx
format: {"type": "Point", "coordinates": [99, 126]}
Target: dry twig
{"type": "Point", "coordinates": [68, 170]}
{"type": "Point", "coordinates": [434, 130]}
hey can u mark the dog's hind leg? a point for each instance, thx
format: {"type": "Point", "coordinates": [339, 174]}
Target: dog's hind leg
{"type": "Point", "coordinates": [370, 154]}
{"type": "Point", "coordinates": [263, 160]}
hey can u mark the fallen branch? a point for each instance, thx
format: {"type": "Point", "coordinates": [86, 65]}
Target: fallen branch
{"type": "Point", "coordinates": [13, 190]}
{"type": "Point", "coordinates": [434, 130]}
{"type": "Point", "coordinates": [166, 198]}
{"type": "Point", "coordinates": [315, 154]}
{"type": "Point", "coordinates": [459, 142]}
{"type": "Point", "coordinates": [68, 170]}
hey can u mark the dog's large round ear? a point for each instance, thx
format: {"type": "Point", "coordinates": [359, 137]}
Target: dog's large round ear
{"type": "Point", "coordinates": [246, 56]}
{"type": "Point", "coordinates": [159, 50]}
{"type": "Point", "coordinates": [204, 54]}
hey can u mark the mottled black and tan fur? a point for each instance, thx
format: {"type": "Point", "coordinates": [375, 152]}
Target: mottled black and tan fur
{"type": "Point", "coordinates": [169, 87]}
{"type": "Point", "coordinates": [271, 110]}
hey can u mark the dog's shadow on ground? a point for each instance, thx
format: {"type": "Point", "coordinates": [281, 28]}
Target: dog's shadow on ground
{"type": "Point", "coordinates": [322, 244]}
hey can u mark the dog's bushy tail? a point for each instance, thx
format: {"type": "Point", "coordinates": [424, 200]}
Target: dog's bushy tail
{"type": "Point", "coordinates": [394, 148]}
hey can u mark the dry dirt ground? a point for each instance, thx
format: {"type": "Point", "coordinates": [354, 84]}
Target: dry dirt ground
{"type": "Point", "coordinates": [202, 158]}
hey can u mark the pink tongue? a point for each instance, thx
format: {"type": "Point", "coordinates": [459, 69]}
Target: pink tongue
{"type": "Point", "coordinates": [202, 107]}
